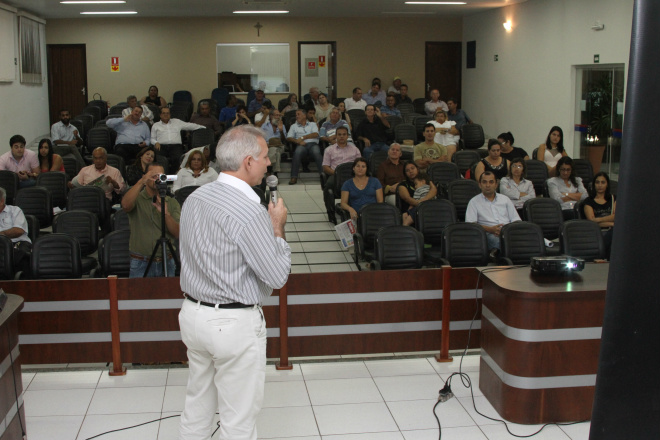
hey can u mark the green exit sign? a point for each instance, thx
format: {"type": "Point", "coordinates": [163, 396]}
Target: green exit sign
{"type": "Point", "coordinates": [596, 58]}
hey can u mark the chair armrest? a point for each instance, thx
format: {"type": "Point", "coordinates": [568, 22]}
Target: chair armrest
{"type": "Point", "coordinates": [444, 262]}
{"type": "Point", "coordinates": [358, 242]}
{"type": "Point", "coordinates": [375, 265]}
{"type": "Point", "coordinates": [504, 261]}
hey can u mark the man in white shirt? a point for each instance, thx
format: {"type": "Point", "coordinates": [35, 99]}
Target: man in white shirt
{"type": "Point", "coordinates": [166, 137]}
{"type": "Point", "coordinates": [66, 138]}
{"type": "Point", "coordinates": [435, 102]}
{"type": "Point", "coordinates": [356, 101]}
{"type": "Point", "coordinates": [490, 210]}
{"type": "Point", "coordinates": [147, 115]}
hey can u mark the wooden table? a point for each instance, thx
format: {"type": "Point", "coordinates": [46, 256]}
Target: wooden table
{"type": "Point", "coordinates": [540, 340]}
{"type": "Point", "coordinates": [10, 371]}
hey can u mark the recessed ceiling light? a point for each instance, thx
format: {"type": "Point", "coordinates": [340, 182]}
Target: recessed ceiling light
{"type": "Point", "coordinates": [436, 3]}
{"type": "Point", "coordinates": [109, 12]}
{"type": "Point", "coordinates": [409, 13]}
{"type": "Point", "coordinates": [91, 2]}
{"type": "Point", "coordinates": [261, 12]}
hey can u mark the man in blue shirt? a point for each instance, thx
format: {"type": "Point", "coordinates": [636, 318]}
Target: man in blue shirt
{"type": "Point", "coordinates": [375, 95]}
{"type": "Point", "coordinates": [133, 134]}
{"type": "Point", "coordinates": [305, 135]}
{"type": "Point", "coordinates": [457, 115]}
{"type": "Point", "coordinates": [389, 109]}
{"type": "Point", "coordinates": [254, 106]}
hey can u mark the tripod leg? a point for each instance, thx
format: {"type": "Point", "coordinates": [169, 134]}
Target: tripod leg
{"type": "Point", "coordinates": [151, 260]}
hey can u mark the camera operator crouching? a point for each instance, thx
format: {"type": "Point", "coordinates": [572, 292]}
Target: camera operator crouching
{"type": "Point", "coordinates": [143, 203]}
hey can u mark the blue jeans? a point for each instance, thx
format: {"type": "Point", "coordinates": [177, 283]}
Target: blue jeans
{"type": "Point", "coordinates": [156, 270]}
{"type": "Point", "coordinates": [26, 183]}
{"type": "Point", "coordinates": [493, 241]}
{"type": "Point", "coordinates": [375, 146]}
{"type": "Point", "coordinates": [302, 151]}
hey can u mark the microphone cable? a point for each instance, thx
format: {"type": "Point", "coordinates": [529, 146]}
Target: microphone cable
{"type": "Point", "coordinates": [146, 423]}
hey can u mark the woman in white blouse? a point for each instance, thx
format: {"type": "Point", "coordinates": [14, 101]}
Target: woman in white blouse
{"type": "Point", "coordinates": [195, 172]}
{"type": "Point", "coordinates": [445, 132]}
{"type": "Point", "coordinates": [515, 186]}
{"type": "Point", "coordinates": [567, 189]}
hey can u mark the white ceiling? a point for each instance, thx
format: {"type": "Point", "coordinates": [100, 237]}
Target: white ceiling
{"type": "Point", "coordinates": [52, 9]}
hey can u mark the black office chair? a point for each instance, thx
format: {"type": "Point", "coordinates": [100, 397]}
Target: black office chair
{"type": "Point", "coordinates": [578, 210]}
{"type": "Point", "coordinates": [405, 109]}
{"type": "Point", "coordinates": [94, 111]}
{"type": "Point", "coordinates": [398, 247]}
{"type": "Point", "coordinates": [404, 132]}
{"type": "Point", "coordinates": [460, 192]}
{"type": "Point", "coordinates": [546, 213]}
{"type": "Point", "coordinates": [375, 160]}
{"type": "Point", "coordinates": [6, 258]}
{"type": "Point", "coordinates": [420, 122]}
{"type": "Point", "coordinates": [584, 170]}
{"type": "Point", "coordinates": [370, 219]}
{"type": "Point", "coordinates": [101, 105]}
{"type": "Point", "coordinates": [120, 221]}
{"type": "Point", "coordinates": [343, 172]}
{"type": "Point", "coordinates": [33, 227]}
{"type": "Point", "coordinates": [182, 194]}
{"type": "Point", "coordinates": [117, 109]}
{"type": "Point", "coordinates": [9, 181]}
{"type": "Point", "coordinates": [56, 183]}
{"type": "Point", "coordinates": [118, 162]}
{"type": "Point", "coordinates": [99, 137]}
{"type": "Point", "coordinates": [519, 242]}
{"type": "Point", "coordinates": [202, 137]}
{"type": "Point", "coordinates": [182, 96]}
{"type": "Point", "coordinates": [92, 199]}
{"type": "Point", "coordinates": [55, 256]}
{"type": "Point", "coordinates": [537, 173]}
{"type": "Point", "coordinates": [356, 116]}
{"type": "Point", "coordinates": [71, 167]}
{"type": "Point", "coordinates": [442, 173]}
{"type": "Point", "coordinates": [433, 216]}
{"type": "Point", "coordinates": [36, 201]}
{"type": "Point", "coordinates": [418, 105]}
{"type": "Point", "coordinates": [84, 226]}
{"type": "Point", "coordinates": [464, 159]}
{"type": "Point", "coordinates": [464, 245]}
{"type": "Point", "coordinates": [114, 255]}
{"type": "Point", "coordinates": [181, 110]}
{"type": "Point", "coordinates": [582, 239]}
{"type": "Point", "coordinates": [472, 136]}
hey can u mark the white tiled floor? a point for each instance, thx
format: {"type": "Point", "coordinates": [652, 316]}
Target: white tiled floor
{"type": "Point", "coordinates": [345, 400]}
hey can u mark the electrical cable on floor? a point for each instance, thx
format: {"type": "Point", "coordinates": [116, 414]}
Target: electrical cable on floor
{"type": "Point", "coordinates": [146, 423]}
{"type": "Point", "coordinates": [445, 393]}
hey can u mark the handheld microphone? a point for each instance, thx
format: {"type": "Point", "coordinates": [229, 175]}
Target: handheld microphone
{"type": "Point", "coordinates": [272, 181]}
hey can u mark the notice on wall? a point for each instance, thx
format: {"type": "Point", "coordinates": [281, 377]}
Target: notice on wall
{"type": "Point", "coordinates": [321, 60]}
{"type": "Point", "coordinates": [114, 64]}
{"type": "Point", "coordinates": [312, 67]}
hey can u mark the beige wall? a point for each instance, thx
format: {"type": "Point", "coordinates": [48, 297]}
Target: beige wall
{"type": "Point", "coordinates": [179, 54]}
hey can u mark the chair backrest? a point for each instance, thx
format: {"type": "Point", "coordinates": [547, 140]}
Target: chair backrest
{"type": "Point", "coordinates": [114, 255]}
{"type": "Point", "coordinates": [465, 245]}
{"type": "Point", "coordinates": [86, 120]}
{"type": "Point", "coordinates": [94, 111]}
{"type": "Point", "coordinates": [584, 170]}
{"type": "Point", "coordinates": [472, 136]}
{"type": "Point", "coordinates": [55, 256]}
{"type": "Point", "coordinates": [120, 221]}
{"type": "Point", "coordinates": [252, 94]}
{"type": "Point", "coordinates": [155, 110]}
{"type": "Point", "coordinates": [433, 216]}
{"type": "Point", "coordinates": [89, 198]}
{"type": "Point", "coordinates": [183, 96]}
{"type": "Point", "coordinates": [36, 201]}
{"type": "Point", "coordinates": [546, 213]}
{"type": "Point", "coordinates": [582, 239]}
{"type": "Point", "coordinates": [374, 216]}
{"type": "Point", "coordinates": [520, 241]}
{"type": "Point", "coordinates": [71, 167]}
{"type": "Point", "coordinates": [441, 173]}
{"type": "Point", "coordinates": [114, 160]}
{"type": "Point", "coordinates": [464, 159]}
{"type": "Point", "coordinates": [102, 105]}
{"type": "Point", "coordinates": [83, 225]}
{"type": "Point", "coordinates": [404, 132]}
{"type": "Point", "coordinates": [117, 109]}
{"type": "Point", "coordinates": [6, 258]}
{"type": "Point", "coordinates": [202, 137]}
{"type": "Point", "coordinates": [537, 173]}
{"type": "Point", "coordinates": [220, 96]}
{"type": "Point", "coordinates": [419, 122]}
{"type": "Point", "coordinates": [375, 160]}
{"type": "Point", "coordinates": [394, 121]}
{"type": "Point", "coordinates": [181, 110]}
{"type": "Point", "coordinates": [55, 181]}
{"type": "Point", "coordinates": [99, 137]}
{"type": "Point", "coordinates": [343, 172]}
{"type": "Point", "coordinates": [405, 108]}
{"type": "Point", "coordinates": [33, 227]}
{"type": "Point", "coordinates": [80, 127]}
{"type": "Point", "coordinates": [578, 210]}
{"type": "Point", "coordinates": [418, 105]}
{"type": "Point", "coordinates": [356, 116]}
{"type": "Point", "coordinates": [399, 247]}
{"type": "Point", "coordinates": [9, 181]}
{"type": "Point", "coordinates": [460, 192]}
{"type": "Point", "coordinates": [183, 193]}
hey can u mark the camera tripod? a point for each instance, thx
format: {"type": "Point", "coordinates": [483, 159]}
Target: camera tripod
{"type": "Point", "coordinates": [163, 242]}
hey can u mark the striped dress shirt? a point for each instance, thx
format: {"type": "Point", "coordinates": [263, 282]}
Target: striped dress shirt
{"type": "Point", "coordinates": [229, 252]}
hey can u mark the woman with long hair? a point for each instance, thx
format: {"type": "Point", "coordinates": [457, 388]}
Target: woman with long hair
{"type": "Point", "coordinates": [600, 207]}
{"type": "Point", "coordinates": [406, 189]}
{"type": "Point", "coordinates": [153, 98]}
{"type": "Point", "coordinates": [552, 150]}
{"type": "Point", "coordinates": [567, 189]}
{"type": "Point", "coordinates": [509, 152]}
{"type": "Point", "coordinates": [515, 186]}
{"type": "Point", "coordinates": [493, 162]}
{"type": "Point", "coordinates": [292, 103]}
{"type": "Point", "coordinates": [49, 161]}
{"type": "Point", "coordinates": [135, 171]}
{"type": "Point", "coordinates": [360, 190]}
{"type": "Point", "coordinates": [195, 172]}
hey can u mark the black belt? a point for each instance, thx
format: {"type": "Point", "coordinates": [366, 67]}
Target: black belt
{"type": "Point", "coordinates": [234, 305]}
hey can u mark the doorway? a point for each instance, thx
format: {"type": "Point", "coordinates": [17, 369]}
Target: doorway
{"type": "Point", "coordinates": [443, 69]}
{"type": "Point", "coordinates": [599, 116]}
{"type": "Point", "coordinates": [67, 79]}
{"type": "Point", "coordinates": [317, 68]}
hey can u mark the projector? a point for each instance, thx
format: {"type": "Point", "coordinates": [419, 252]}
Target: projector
{"type": "Point", "coordinates": [560, 265]}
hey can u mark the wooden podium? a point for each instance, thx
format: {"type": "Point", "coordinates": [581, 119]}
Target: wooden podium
{"type": "Point", "coordinates": [540, 340]}
{"type": "Point", "coordinates": [10, 370]}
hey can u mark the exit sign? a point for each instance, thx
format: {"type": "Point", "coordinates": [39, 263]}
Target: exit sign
{"type": "Point", "coordinates": [596, 58]}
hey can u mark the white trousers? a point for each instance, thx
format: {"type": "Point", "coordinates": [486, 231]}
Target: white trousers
{"type": "Point", "coordinates": [227, 363]}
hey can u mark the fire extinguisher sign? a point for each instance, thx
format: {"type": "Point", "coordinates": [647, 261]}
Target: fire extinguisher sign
{"type": "Point", "coordinates": [114, 64]}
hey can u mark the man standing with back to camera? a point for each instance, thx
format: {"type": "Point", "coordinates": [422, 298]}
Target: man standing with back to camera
{"type": "Point", "coordinates": [233, 254]}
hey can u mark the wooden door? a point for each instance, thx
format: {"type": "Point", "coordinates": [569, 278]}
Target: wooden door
{"type": "Point", "coordinates": [67, 79]}
{"type": "Point", "coordinates": [443, 69]}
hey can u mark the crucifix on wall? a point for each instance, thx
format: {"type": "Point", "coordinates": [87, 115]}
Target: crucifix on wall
{"type": "Point", "coordinates": [258, 26]}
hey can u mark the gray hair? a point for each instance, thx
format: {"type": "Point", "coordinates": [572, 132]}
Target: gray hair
{"type": "Point", "coordinates": [105, 152]}
{"type": "Point", "coordinates": [129, 97]}
{"type": "Point", "coordinates": [314, 89]}
{"type": "Point", "coordinates": [237, 144]}
{"type": "Point", "coordinates": [3, 194]}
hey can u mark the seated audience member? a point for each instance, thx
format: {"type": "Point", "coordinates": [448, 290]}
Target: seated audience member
{"type": "Point", "coordinates": [196, 172]}
{"type": "Point", "coordinates": [600, 206]}
{"type": "Point", "coordinates": [457, 115]}
{"type": "Point", "coordinates": [255, 105]}
{"type": "Point", "coordinates": [509, 152]}
{"type": "Point", "coordinates": [422, 188]}
{"type": "Point", "coordinates": [205, 118]}
{"type": "Point", "coordinates": [389, 109]}
{"type": "Point", "coordinates": [429, 151]}
{"type": "Point", "coordinates": [360, 190]}
{"type": "Point", "coordinates": [377, 80]}
{"type": "Point", "coordinates": [143, 205]}
{"type": "Point", "coordinates": [375, 95]}
{"type": "Point", "coordinates": [135, 171]}
{"type": "Point", "coordinates": [311, 115]}
{"type": "Point", "coordinates": [552, 150]}
{"type": "Point", "coordinates": [133, 134]}
{"type": "Point", "coordinates": [344, 114]}
{"type": "Point", "coordinates": [340, 152]}
{"type": "Point", "coordinates": [147, 115]}
{"type": "Point", "coordinates": [515, 186]}
{"type": "Point", "coordinates": [49, 161]}
{"type": "Point", "coordinates": [305, 135]}
{"type": "Point", "coordinates": [446, 132]}
{"type": "Point", "coordinates": [324, 108]}
{"type": "Point", "coordinates": [435, 103]}
{"type": "Point", "coordinates": [493, 162]}
{"type": "Point", "coordinates": [328, 132]}
{"type": "Point", "coordinates": [65, 138]}
{"type": "Point", "coordinates": [406, 188]}
{"type": "Point", "coordinates": [153, 98]}
{"type": "Point", "coordinates": [372, 131]}
{"type": "Point", "coordinates": [100, 174]}
{"type": "Point", "coordinates": [355, 101]}
{"type": "Point", "coordinates": [241, 116]}
{"type": "Point", "coordinates": [292, 103]}
{"type": "Point", "coordinates": [208, 153]}
{"type": "Point", "coordinates": [314, 93]}
{"type": "Point", "coordinates": [228, 113]}
{"type": "Point", "coordinates": [273, 128]}
{"type": "Point", "coordinates": [14, 226]}
{"type": "Point", "coordinates": [491, 211]}
{"type": "Point", "coordinates": [567, 189]}
{"type": "Point", "coordinates": [395, 87]}
{"type": "Point", "coordinates": [21, 161]}
{"type": "Point", "coordinates": [166, 137]}
{"type": "Point", "coordinates": [403, 95]}
{"type": "Point", "coordinates": [390, 173]}
{"type": "Point", "coordinates": [263, 113]}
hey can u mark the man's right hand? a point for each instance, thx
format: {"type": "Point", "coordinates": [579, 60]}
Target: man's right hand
{"type": "Point", "coordinates": [367, 142]}
{"type": "Point", "coordinates": [22, 175]}
{"type": "Point", "coordinates": [157, 146]}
